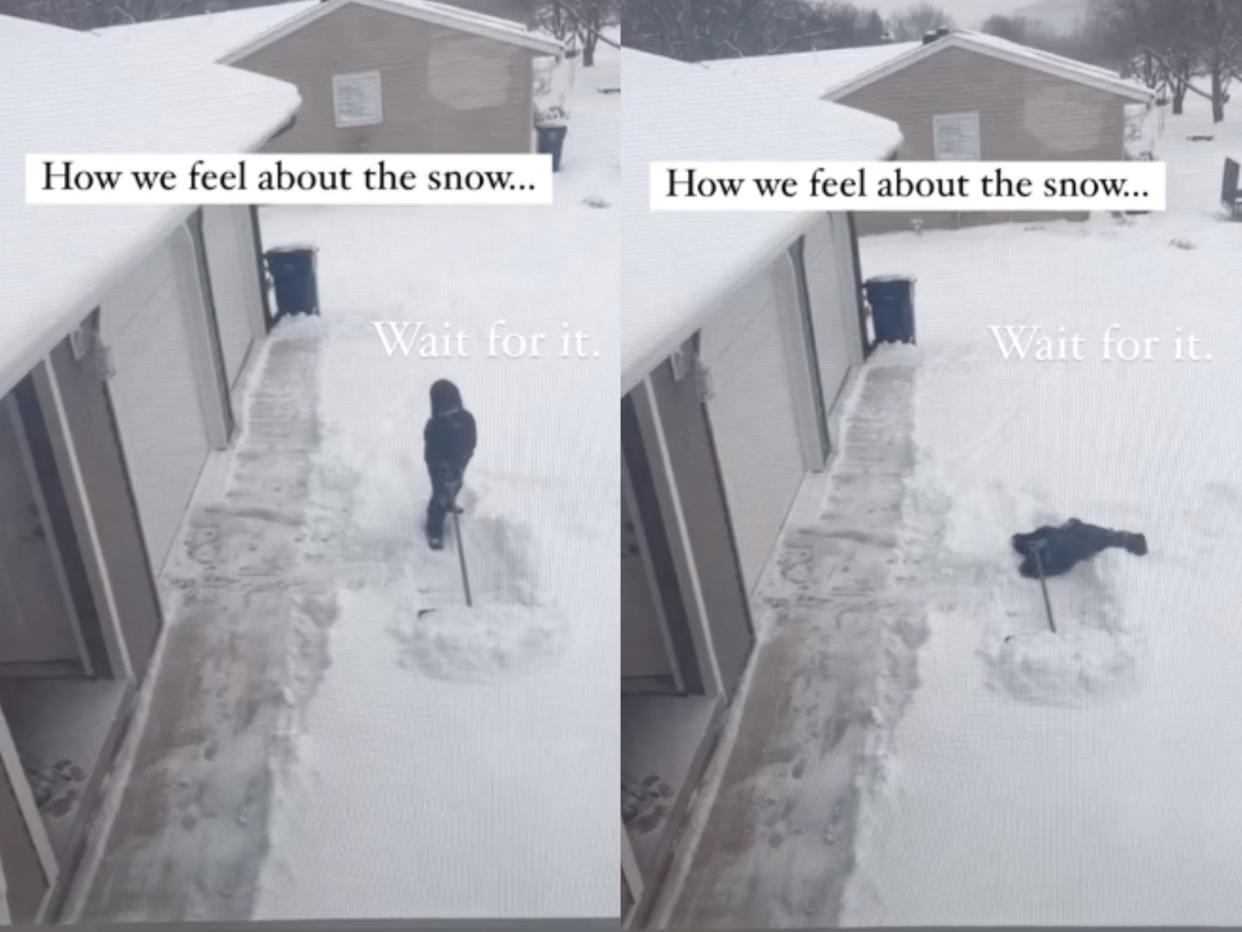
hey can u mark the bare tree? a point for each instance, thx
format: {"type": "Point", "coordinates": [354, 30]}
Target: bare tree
{"type": "Point", "coordinates": [698, 30]}
{"type": "Point", "coordinates": [1174, 45]}
{"type": "Point", "coordinates": [912, 23]}
{"type": "Point", "coordinates": [1013, 28]}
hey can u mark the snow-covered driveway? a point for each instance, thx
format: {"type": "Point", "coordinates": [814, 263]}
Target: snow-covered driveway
{"type": "Point", "coordinates": [314, 746]}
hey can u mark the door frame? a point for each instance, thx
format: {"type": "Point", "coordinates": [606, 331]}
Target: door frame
{"type": "Point", "coordinates": [11, 762]}
{"type": "Point", "coordinates": [64, 450]}
{"type": "Point", "coordinates": [707, 676]}
{"type": "Point", "coordinates": [799, 354]}
{"type": "Point", "coordinates": [632, 875]}
{"type": "Point", "coordinates": [630, 500]}
{"type": "Point", "coordinates": [203, 330]}
{"type": "Point", "coordinates": [26, 454]}
{"type": "Point", "coordinates": [264, 327]}
{"type": "Point", "coordinates": [820, 405]}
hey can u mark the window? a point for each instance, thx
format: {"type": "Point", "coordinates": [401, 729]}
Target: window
{"type": "Point", "coordinates": [357, 100]}
{"type": "Point", "coordinates": [956, 136]}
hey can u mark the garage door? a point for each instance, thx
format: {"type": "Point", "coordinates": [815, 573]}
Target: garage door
{"type": "Point", "coordinates": [834, 310]}
{"type": "Point", "coordinates": [752, 412]}
{"type": "Point", "coordinates": [154, 393]}
{"type": "Point", "coordinates": [229, 239]}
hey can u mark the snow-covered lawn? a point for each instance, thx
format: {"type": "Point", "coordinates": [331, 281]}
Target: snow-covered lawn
{"type": "Point", "coordinates": [1195, 165]}
{"type": "Point", "coordinates": [1089, 776]}
{"type": "Point", "coordinates": [397, 764]}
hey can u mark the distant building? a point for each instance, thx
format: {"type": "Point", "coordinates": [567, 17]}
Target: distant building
{"type": "Point", "coordinates": [965, 96]}
{"type": "Point", "coordinates": [375, 75]}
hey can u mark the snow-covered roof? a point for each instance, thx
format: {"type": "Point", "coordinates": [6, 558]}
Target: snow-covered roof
{"type": "Point", "coordinates": [234, 34]}
{"type": "Point", "coordinates": [835, 73]}
{"type": "Point", "coordinates": [1003, 50]}
{"type": "Point", "coordinates": [209, 36]}
{"type": "Point", "coordinates": [678, 266]}
{"type": "Point", "coordinates": [817, 72]}
{"type": "Point", "coordinates": [88, 95]}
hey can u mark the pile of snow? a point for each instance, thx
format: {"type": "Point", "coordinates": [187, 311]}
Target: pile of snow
{"type": "Point", "coordinates": [483, 643]}
{"type": "Point", "coordinates": [1067, 667]}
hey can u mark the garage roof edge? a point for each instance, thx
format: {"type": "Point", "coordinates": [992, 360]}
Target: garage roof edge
{"type": "Point", "coordinates": [1002, 50]}
{"type": "Point", "coordinates": [489, 27]}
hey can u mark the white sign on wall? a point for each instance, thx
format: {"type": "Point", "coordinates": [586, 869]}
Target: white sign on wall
{"type": "Point", "coordinates": [956, 137]}
{"type": "Point", "coordinates": [357, 99]}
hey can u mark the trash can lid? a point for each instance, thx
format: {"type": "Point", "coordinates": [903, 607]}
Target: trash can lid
{"type": "Point", "coordinates": [294, 247]}
{"type": "Point", "coordinates": [884, 279]}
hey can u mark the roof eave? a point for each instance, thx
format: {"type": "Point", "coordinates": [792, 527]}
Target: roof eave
{"type": "Point", "coordinates": [539, 44]}
{"type": "Point", "coordinates": [1118, 86]}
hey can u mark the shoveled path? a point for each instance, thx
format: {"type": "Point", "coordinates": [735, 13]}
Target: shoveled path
{"type": "Point", "coordinates": [777, 843]}
{"type": "Point", "coordinates": [245, 632]}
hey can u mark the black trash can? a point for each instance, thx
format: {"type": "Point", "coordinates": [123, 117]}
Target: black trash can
{"type": "Point", "coordinates": [892, 307]}
{"type": "Point", "coordinates": [551, 140]}
{"type": "Point", "coordinates": [293, 271]}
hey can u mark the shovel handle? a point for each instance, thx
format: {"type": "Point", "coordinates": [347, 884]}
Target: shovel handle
{"type": "Point", "coordinates": [1043, 585]}
{"type": "Point", "coordinates": [461, 554]}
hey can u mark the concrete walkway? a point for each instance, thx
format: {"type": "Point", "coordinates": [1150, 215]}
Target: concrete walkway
{"type": "Point", "coordinates": [246, 631]}
{"type": "Point", "coordinates": [777, 843]}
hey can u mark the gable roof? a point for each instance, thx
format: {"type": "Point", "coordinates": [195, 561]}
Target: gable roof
{"type": "Point", "coordinates": [1003, 50]}
{"type": "Point", "coordinates": [56, 261]}
{"type": "Point", "coordinates": [442, 14]}
{"type": "Point", "coordinates": [814, 72]}
{"type": "Point", "coordinates": [678, 266]}
{"type": "Point", "coordinates": [231, 35]}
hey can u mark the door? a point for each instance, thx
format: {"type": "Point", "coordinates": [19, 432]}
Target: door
{"type": "Point", "coordinates": [38, 625]}
{"type": "Point", "coordinates": [647, 663]}
{"type": "Point", "coordinates": [155, 393]}
{"type": "Point", "coordinates": [228, 237]}
{"type": "Point", "coordinates": [753, 411]}
{"type": "Point", "coordinates": [693, 464]}
{"type": "Point", "coordinates": [832, 292]}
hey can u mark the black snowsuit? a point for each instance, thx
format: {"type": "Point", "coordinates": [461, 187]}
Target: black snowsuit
{"type": "Point", "coordinates": [448, 444]}
{"type": "Point", "coordinates": [1060, 548]}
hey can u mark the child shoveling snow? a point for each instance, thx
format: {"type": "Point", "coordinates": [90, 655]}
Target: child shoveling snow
{"type": "Point", "coordinates": [448, 444]}
{"type": "Point", "coordinates": [1060, 548]}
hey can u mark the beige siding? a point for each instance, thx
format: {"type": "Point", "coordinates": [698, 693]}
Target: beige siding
{"type": "Point", "coordinates": [443, 90]}
{"type": "Point", "coordinates": [1024, 115]}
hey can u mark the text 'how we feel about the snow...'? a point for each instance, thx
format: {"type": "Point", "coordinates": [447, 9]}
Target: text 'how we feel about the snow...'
{"type": "Point", "coordinates": [322, 180]}
{"type": "Point", "coordinates": [906, 186]}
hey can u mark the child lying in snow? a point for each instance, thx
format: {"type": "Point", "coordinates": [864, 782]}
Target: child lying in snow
{"type": "Point", "coordinates": [1062, 547]}
{"type": "Point", "coordinates": [448, 443]}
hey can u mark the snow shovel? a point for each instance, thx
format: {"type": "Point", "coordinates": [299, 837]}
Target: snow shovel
{"type": "Point", "coordinates": [461, 554]}
{"type": "Point", "coordinates": [1043, 583]}
{"type": "Point", "coordinates": [1034, 551]}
